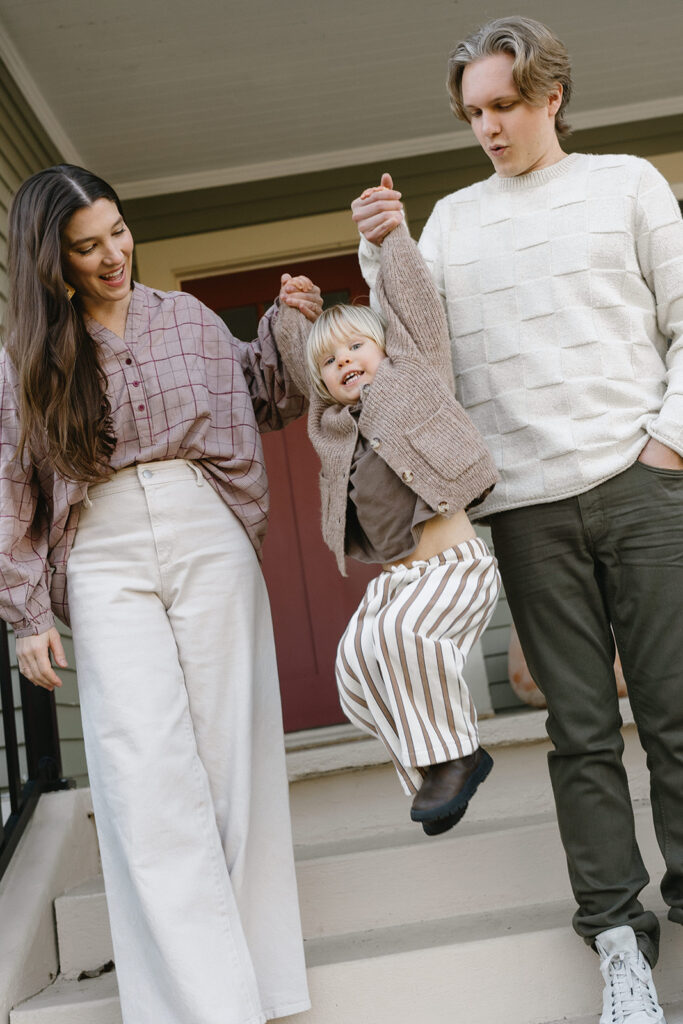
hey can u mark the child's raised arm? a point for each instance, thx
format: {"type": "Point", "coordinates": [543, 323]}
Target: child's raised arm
{"type": "Point", "coordinates": [408, 299]}
{"type": "Point", "coordinates": [299, 306]}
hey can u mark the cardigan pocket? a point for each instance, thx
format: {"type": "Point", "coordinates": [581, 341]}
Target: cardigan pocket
{"type": "Point", "coordinates": [446, 441]}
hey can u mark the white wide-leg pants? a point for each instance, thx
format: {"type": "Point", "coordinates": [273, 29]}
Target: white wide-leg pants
{"type": "Point", "coordinates": [183, 734]}
{"type": "Point", "coordinates": [400, 663]}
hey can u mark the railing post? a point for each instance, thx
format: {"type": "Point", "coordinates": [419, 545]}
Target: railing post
{"type": "Point", "coordinates": [43, 758]}
{"type": "Point", "coordinates": [9, 722]}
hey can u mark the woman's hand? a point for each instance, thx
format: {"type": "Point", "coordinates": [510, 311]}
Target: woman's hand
{"type": "Point", "coordinates": [302, 294]}
{"type": "Point", "coordinates": [660, 456]}
{"type": "Point", "coordinates": [378, 210]}
{"type": "Point", "coordinates": [33, 655]}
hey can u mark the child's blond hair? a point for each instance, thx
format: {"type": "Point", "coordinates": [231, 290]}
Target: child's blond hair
{"type": "Point", "coordinates": [336, 324]}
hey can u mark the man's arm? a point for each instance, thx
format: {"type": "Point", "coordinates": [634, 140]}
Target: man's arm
{"type": "Point", "coordinates": [659, 243]}
{"type": "Point", "coordinates": [377, 211]}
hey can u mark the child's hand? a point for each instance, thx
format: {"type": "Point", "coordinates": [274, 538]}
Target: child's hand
{"type": "Point", "coordinates": [378, 210]}
{"type": "Point", "coordinates": [302, 294]}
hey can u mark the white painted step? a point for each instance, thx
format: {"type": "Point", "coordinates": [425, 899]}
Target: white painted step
{"type": "Point", "coordinates": [673, 1013]}
{"type": "Point", "coordinates": [460, 874]}
{"type": "Point", "coordinates": [524, 969]}
{"type": "Point", "coordinates": [335, 810]}
{"type": "Point", "coordinates": [92, 1001]}
{"type": "Point", "coordinates": [83, 934]}
{"type": "Point", "coordinates": [520, 967]}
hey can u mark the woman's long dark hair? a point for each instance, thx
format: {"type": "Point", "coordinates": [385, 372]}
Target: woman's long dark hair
{"type": "Point", "coordinates": [65, 415]}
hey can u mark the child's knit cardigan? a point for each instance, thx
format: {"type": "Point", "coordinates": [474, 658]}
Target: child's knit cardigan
{"type": "Point", "coordinates": [409, 413]}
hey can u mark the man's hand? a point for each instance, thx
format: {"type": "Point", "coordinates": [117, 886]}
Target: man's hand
{"type": "Point", "coordinates": [33, 655]}
{"type": "Point", "coordinates": [660, 456]}
{"type": "Point", "coordinates": [302, 294]}
{"type": "Point", "coordinates": [378, 210]}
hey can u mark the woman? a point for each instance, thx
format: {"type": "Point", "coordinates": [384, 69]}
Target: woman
{"type": "Point", "coordinates": [134, 502]}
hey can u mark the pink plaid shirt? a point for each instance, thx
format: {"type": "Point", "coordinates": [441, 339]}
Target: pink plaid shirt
{"type": "Point", "coordinates": [180, 387]}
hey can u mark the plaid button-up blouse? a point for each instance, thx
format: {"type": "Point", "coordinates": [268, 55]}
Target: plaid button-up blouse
{"type": "Point", "coordinates": [181, 387]}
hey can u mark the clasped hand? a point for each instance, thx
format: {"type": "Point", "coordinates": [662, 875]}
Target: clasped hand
{"type": "Point", "coordinates": [302, 294]}
{"type": "Point", "coordinates": [378, 210]}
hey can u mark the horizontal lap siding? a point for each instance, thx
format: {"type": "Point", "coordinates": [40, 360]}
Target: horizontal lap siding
{"type": "Point", "coordinates": [25, 149]}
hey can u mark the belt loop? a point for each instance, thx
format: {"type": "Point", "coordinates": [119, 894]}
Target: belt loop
{"type": "Point", "coordinates": [197, 472]}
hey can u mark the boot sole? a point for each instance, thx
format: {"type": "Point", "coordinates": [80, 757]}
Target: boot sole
{"type": "Point", "coordinates": [460, 801]}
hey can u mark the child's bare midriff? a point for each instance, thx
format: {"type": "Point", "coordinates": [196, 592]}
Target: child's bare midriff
{"type": "Point", "coordinates": [438, 534]}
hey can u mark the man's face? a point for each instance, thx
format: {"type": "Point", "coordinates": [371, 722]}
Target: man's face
{"type": "Point", "coordinates": [516, 136]}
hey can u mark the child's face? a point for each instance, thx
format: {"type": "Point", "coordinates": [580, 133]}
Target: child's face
{"type": "Point", "coordinates": [348, 365]}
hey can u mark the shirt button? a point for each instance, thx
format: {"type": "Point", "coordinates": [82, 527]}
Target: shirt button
{"type": "Point", "coordinates": [136, 383]}
{"type": "Point", "coordinates": [375, 443]}
{"type": "Point", "coordinates": [147, 473]}
{"type": "Point", "coordinates": [129, 362]}
{"type": "Point", "coordinates": [141, 408]}
{"type": "Point", "coordinates": [443, 508]}
{"type": "Point", "coordinates": [407, 476]}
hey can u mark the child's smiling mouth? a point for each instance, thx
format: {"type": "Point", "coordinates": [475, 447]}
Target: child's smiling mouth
{"type": "Point", "coordinates": [348, 378]}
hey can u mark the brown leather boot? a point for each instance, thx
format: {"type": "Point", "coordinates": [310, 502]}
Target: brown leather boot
{"type": "Point", "coordinates": [448, 787]}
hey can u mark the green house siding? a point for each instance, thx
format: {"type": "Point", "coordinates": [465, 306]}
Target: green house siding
{"type": "Point", "coordinates": [25, 149]}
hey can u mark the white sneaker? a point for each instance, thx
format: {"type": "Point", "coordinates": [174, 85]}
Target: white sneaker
{"type": "Point", "coordinates": [629, 996]}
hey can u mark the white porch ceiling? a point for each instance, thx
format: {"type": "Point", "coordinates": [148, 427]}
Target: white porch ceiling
{"type": "Point", "coordinates": [164, 96]}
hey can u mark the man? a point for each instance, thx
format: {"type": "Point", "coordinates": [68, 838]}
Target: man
{"type": "Point", "coordinates": [562, 277]}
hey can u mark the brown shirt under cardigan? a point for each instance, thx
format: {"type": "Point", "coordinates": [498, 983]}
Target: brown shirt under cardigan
{"type": "Point", "coordinates": [384, 518]}
{"type": "Point", "coordinates": [410, 415]}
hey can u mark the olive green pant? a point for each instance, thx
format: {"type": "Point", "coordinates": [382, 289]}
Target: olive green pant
{"type": "Point", "coordinates": [571, 569]}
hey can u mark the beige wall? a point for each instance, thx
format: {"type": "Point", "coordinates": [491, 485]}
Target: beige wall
{"type": "Point", "coordinates": [166, 263]}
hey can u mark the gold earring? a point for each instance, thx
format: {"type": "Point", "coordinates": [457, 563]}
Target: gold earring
{"type": "Point", "coordinates": [70, 292]}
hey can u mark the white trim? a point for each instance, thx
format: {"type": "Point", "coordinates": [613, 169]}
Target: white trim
{"type": "Point", "coordinates": [424, 145]}
{"type": "Point", "coordinates": [36, 100]}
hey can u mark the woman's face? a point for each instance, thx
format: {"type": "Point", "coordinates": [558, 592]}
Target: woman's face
{"type": "Point", "coordinates": [97, 253]}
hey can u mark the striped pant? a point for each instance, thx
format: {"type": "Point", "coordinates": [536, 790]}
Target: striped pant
{"type": "Point", "coordinates": [400, 661]}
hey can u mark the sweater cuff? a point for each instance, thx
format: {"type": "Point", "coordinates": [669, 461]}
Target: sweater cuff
{"type": "Point", "coordinates": [667, 427]}
{"type": "Point", "coordinates": [41, 624]}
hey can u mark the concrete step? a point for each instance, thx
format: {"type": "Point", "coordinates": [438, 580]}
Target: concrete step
{"type": "Point", "coordinates": [91, 1001]}
{"type": "Point", "coordinates": [672, 1011]}
{"type": "Point", "coordinates": [522, 967]}
{"type": "Point", "coordinates": [461, 873]}
{"type": "Point", "coordinates": [336, 807]}
{"type": "Point", "coordinates": [525, 967]}
{"type": "Point", "coordinates": [399, 927]}
{"type": "Point", "coordinates": [464, 872]}
{"type": "Point", "coordinates": [83, 934]}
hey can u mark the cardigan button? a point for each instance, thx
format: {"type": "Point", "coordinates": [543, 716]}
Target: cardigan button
{"type": "Point", "coordinates": [443, 508]}
{"type": "Point", "coordinates": [375, 443]}
{"type": "Point", "coordinates": [407, 476]}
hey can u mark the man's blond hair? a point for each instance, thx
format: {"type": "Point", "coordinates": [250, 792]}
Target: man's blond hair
{"type": "Point", "coordinates": [540, 61]}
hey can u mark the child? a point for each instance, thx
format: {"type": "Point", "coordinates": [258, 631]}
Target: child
{"type": "Point", "coordinates": [400, 463]}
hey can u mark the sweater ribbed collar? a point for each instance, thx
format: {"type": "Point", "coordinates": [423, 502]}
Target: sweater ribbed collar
{"type": "Point", "coordinates": [522, 182]}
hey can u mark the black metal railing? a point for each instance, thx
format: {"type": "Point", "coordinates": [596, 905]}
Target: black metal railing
{"type": "Point", "coordinates": [43, 757]}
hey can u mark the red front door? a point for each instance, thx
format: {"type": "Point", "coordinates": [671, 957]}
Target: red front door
{"type": "Point", "coordinates": [311, 602]}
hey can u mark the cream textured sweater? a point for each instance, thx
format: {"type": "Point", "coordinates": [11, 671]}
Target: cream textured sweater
{"type": "Point", "coordinates": [563, 290]}
{"type": "Point", "coordinates": [409, 414]}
